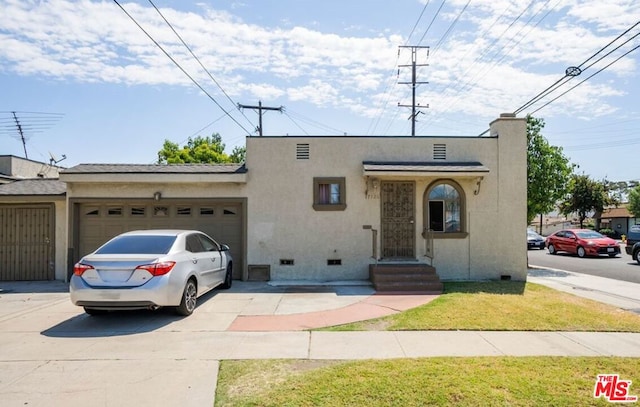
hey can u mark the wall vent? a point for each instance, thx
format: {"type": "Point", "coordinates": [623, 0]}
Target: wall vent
{"type": "Point", "coordinates": [286, 262]}
{"type": "Point", "coordinates": [302, 151]}
{"type": "Point", "coordinates": [334, 262]}
{"type": "Point", "coordinates": [439, 151]}
{"type": "Point", "coordinates": [259, 272]}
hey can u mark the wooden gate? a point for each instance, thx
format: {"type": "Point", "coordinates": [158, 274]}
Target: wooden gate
{"type": "Point", "coordinates": [26, 242]}
{"type": "Point", "coordinates": [398, 226]}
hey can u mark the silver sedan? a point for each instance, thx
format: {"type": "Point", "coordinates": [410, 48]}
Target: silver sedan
{"type": "Point", "coordinates": [151, 269]}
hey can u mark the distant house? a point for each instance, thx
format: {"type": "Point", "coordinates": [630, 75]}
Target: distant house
{"type": "Point", "coordinates": [323, 208]}
{"type": "Point", "coordinates": [617, 219]}
{"type": "Point", "coordinates": [14, 168]}
{"type": "Point", "coordinates": [32, 243]}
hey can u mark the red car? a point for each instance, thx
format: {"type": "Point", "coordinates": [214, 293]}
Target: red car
{"type": "Point", "coordinates": [583, 242]}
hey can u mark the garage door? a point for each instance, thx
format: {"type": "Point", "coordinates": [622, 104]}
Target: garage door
{"type": "Point", "coordinates": [26, 242]}
{"type": "Point", "coordinates": [98, 222]}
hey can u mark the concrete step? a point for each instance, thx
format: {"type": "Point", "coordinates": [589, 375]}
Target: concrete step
{"type": "Point", "coordinates": [403, 277]}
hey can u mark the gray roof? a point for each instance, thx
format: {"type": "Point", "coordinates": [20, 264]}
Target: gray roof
{"type": "Point", "coordinates": [422, 166]}
{"type": "Point", "coordinates": [156, 169]}
{"type": "Point", "coordinates": [35, 186]}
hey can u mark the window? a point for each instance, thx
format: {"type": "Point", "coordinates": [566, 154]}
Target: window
{"type": "Point", "coordinates": [183, 211]}
{"type": "Point", "coordinates": [444, 210]}
{"type": "Point", "coordinates": [329, 194]}
{"type": "Point", "coordinates": [138, 211]}
{"type": "Point", "coordinates": [114, 211]}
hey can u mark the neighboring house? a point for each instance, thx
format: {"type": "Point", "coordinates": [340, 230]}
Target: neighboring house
{"type": "Point", "coordinates": [33, 229]}
{"type": "Point", "coordinates": [13, 168]}
{"type": "Point", "coordinates": [31, 200]}
{"type": "Point", "coordinates": [617, 219]}
{"type": "Point", "coordinates": [326, 208]}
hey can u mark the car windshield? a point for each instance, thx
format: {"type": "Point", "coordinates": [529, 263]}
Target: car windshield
{"type": "Point", "coordinates": [589, 235]}
{"type": "Point", "coordinates": [138, 244]}
{"type": "Point", "coordinates": [532, 234]}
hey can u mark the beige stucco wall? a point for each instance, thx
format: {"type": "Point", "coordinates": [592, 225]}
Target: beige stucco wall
{"type": "Point", "coordinates": [283, 225]}
{"type": "Point", "coordinates": [24, 168]}
{"type": "Point", "coordinates": [60, 263]}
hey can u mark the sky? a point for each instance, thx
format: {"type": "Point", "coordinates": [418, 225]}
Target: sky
{"type": "Point", "coordinates": [87, 83]}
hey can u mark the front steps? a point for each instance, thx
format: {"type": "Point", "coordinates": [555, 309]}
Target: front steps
{"type": "Point", "coordinates": [405, 277]}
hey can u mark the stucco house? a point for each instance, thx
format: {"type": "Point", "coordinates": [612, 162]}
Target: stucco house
{"type": "Point", "coordinates": [618, 219]}
{"type": "Point", "coordinates": [324, 208]}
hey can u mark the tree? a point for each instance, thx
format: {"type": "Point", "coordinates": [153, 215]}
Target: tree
{"type": "Point", "coordinates": [200, 149]}
{"type": "Point", "coordinates": [634, 202]}
{"type": "Point", "coordinates": [586, 196]}
{"type": "Point", "coordinates": [238, 154]}
{"type": "Point", "coordinates": [548, 171]}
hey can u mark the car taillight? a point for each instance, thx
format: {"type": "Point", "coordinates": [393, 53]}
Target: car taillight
{"type": "Point", "coordinates": [80, 268]}
{"type": "Point", "coordinates": [158, 269]}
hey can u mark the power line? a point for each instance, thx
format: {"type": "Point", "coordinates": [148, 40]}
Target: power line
{"type": "Point", "coordinates": [574, 71]}
{"type": "Point", "coordinates": [180, 67]}
{"type": "Point", "coordinates": [196, 57]}
{"type": "Point", "coordinates": [591, 76]}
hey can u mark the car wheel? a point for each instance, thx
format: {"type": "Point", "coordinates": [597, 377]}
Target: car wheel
{"type": "Point", "coordinates": [228, 278]}
{"type": "Point", "coordinates": [94, 312]}
{"type": "Point", "coordinates": [581, 252]}
{"type": "Point", "coordinates": [637, 256]}
{"type": "Point", "coordinates": [552, 249]}
{"type": "Point", "coordinates": [188, 303]}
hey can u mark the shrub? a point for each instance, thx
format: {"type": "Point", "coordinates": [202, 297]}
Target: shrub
{"type": "Point", "coordinates": [608, 232]}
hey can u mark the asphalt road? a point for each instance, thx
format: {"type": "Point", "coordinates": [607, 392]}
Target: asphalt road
{"type": "Point", "coordinates": [619, 268]}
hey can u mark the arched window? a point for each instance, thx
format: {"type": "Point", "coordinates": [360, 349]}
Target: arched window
{"type": "Point", "coordinates": [444, 207]}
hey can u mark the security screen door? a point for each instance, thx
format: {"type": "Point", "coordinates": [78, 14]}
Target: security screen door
{"type": "Point", "coordinates": [398, 226]}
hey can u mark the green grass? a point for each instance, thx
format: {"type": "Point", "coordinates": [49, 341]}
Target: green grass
{"type": "Point", "coordinates": [505, 306]}
{"type": "Point", "coordinates": [478, 381]}
{"type": "Point", "coordinates": [481, 381]}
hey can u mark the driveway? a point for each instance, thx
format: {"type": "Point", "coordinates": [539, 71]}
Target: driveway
{"type": "Point", "coordinates": [52, 354]}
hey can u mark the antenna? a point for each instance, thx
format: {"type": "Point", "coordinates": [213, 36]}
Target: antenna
{"type": "Point", "coordinates": [54, 160]}
{"type": "Point", "coordinates": [23, 125]}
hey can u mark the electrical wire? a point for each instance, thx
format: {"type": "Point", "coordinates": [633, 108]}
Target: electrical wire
{"type": "Point", "coordinates": [180, 67]}
{"type": "Point", "coordinates": [197, 59]}
{"type": "Point", "coordinates": [591, 76]}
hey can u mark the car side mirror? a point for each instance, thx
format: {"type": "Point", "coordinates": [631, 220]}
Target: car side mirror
{"type": "Point", "coordinates": [224, 248]}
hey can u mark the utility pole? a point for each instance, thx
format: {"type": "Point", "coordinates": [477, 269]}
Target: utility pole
{"type": "Point", "coordinates": [414, 83]}
{"type": "Point", "coordinates": [260, 108]}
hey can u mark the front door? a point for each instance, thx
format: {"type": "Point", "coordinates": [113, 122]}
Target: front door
{"type": "Point", "coordinates": [398, 226]}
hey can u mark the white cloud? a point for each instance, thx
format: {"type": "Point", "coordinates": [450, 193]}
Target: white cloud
{"type": "Point", "coordinates": [489, 62]}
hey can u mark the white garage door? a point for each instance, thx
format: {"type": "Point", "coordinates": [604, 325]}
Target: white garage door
{"type": "Point", "coordinates": [98, 222]}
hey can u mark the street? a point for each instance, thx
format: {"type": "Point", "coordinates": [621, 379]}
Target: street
{"type": "Point", "coordinates": [621, 267]}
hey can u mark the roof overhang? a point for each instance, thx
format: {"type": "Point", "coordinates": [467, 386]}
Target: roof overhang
{"type": "Point", "coordinates": [423, 169]}
{"type": "Point", "coordinates": [153, 173]}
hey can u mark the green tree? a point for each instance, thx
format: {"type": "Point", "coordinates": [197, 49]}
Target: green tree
{"type": "Point", "coordinates": [586, 196]}
{"type": "Point", "coordinates": [238, 154]}
{"type": "Point", "coordinates": [548, 171]}
{"type": "Point", "coordinates": [209, 150]}
{"type": "Point", "coordinates": [634, 202]}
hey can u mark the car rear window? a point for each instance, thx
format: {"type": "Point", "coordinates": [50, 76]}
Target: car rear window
{"type": "Point", "coordinates": [138, 244]}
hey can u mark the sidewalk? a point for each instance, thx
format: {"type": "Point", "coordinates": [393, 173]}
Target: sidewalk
{"type": "Point", "coordinates": [72, 359]}
{"type": "Point", "coordinates": [620, 294]}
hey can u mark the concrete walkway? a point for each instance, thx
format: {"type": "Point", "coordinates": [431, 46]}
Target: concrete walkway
{"type": "Point", "coordinates": [52, 354]}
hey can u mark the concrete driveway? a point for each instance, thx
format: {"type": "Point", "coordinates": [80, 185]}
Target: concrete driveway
{"type": "Point", "coordinates": [53, 354]}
